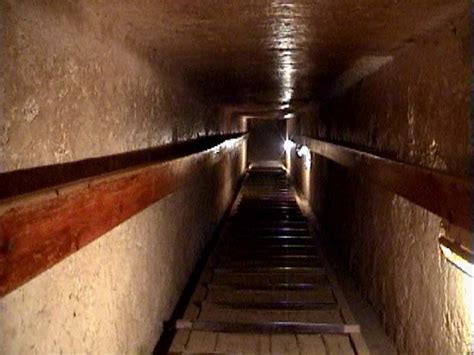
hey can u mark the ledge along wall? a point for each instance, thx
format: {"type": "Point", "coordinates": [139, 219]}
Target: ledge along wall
{"type": "Point", "coordinates": [72, 91]}
{"type": "Point", "coordinates": [414, 109]}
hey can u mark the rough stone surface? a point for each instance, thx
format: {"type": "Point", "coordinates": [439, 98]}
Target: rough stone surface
{"type": "Point", "coordinates": [415, 109]}
{"type": "Point", "coordinates": [72, 91]}
{"type": "Point", "coordinates": [113, 295]}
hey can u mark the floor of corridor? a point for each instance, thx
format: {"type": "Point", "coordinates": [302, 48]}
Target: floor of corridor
{"type": "Point", "coordinates": [267, 287]}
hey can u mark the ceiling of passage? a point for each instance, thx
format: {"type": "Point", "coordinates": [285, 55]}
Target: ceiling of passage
{"type": "Point", "coordinates": [266, 51]}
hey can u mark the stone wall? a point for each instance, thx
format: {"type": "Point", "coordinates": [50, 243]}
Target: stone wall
{"type": "Point", "coordinates": [72, 90]}
{"type": "Point", "coordinates": [414, 108]}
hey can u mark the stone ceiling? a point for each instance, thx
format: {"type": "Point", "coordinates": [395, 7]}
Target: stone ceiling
{"type": "Point", "coordinates": [265, 51]}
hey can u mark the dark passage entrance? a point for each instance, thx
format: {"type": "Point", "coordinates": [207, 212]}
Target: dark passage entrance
{"type": "Point", "coordinates": [266, 139]}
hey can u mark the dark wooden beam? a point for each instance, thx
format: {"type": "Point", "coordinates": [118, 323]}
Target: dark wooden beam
{"type": "Point", "coordinates": [447, 196]}
{"type": "Point", "coordinates": [28, 180]}
{"type": "Point", "coordinates": [37, 230]}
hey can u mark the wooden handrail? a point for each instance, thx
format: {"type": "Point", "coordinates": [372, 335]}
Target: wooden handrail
{"type": "Point", "coordinates": [23, 181]}
{"type": "Point", "coordinates": [37, 230]}
{"type": "Point", "coordinates": [439, 193]}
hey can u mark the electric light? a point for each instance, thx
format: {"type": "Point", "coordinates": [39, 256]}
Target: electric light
{"type": "Point", "coordinates": [288, 145]}
{"type": "Point", "coordinates": [304, 153]}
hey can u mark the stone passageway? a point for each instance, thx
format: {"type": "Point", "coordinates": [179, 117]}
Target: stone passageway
{"type": "Point", "coordinates": [338, 130]}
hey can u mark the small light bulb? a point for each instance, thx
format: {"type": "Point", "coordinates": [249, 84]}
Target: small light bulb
{"type": "Point", "coordinates": [288, 145]}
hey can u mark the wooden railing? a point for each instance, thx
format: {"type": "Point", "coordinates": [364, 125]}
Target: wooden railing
{"type": "Point", "coordinates": [38, 229]}
{"type": "Point", "coordinates": [447, 196]}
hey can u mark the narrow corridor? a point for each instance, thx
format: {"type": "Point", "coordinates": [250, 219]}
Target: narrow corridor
{"type": "Point", "coordinates": [264, 176]}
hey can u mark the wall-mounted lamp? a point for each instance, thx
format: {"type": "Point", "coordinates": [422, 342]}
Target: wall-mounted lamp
{"type": "Point", "coordinates": [304, 153]}
{"type": "Point", "coordinates": [461, 258]}
{"type": "Point", "coordinates": [301, 151]}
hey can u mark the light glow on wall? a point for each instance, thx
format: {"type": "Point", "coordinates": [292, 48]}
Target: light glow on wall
{"type": "Point", "coordinates": [457, 256]}
{"type": "Point", "coordinates": [464, 261]}
{"type": "Point", "coordinates": [469, 302]}
{"type": "Point", "coordinates": [288, 147]}
{"type": "Point", "coordinates": [243, 161]}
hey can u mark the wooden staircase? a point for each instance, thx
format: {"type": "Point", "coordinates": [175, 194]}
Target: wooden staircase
{"type": "Point", "coordinates": [267, 288]}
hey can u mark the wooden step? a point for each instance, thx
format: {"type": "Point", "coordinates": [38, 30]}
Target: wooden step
{"type": "Point", "coordinates": [322, 295]}
{"type": "Point", "coordinates": [280, 262]}
{"type": "Point", "coordinates": [271, 242]}
{"type": "Point", "coordinates": [268, 269]}
{"type": "Point", "coordinates": [246, 232]}
{"type": "Point", "coordinates": [199, 342]}
{"type": "Point", "coordinates": [266, 288]}
{"type": "Point", "coordinates": [265, 256]}
{"type": "Point", "coordinates": [269, 279]}
{"type": "Point", "coordinates": [216, 312]}
{"type": "Point", "coordinates": [280, 286]}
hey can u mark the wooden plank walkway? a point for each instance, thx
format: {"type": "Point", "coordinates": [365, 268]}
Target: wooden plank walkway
{"type": "Point", "coordinates": [267, 288]}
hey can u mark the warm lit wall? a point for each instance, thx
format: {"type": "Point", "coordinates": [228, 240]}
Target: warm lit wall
{"type": "Point", "coordinates": [73, 91]}
{"type": "Point", "coordinates": [414, 109]}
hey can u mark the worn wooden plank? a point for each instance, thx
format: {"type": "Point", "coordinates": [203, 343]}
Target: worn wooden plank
{"type": "Point", "coordinates": [445, 195]}
{"type": "Point", "coordinates": [269, 234]}
{"type": "Point", "coordinates": [284, 344]}
{"type": "Point", "coordinates": [235, 343]}
{"type": "Point", "coordinates": [309, 344]}
{"type": "Point", "coordinates": [38, 230]}
{"type": "Point", "coordinates": [179, 341]}
{"type": "Point", "coordinates": [278, 287]}
{"type": "Point", "coordinates": [259, 255]}
{"type": "Point", "coordinates": [338, 344]}
{"type": "Point", "coordinates": [322, 295]}
{"type": "Point", "coordinates": [280, 305]}
{"type": "Point", "coordinates": [270, 245]}
{"type": "Point", "coordinates": [192, 311]}
{"type": "Point", "coordinates": [216, 312]}
{"type": "Point", "coordinates": [300, 262]}
{"type": "Point", "coordinates": [269, 269]}
{"type": "Point", "coordinates": [271, 250]}
{"type": "Point", "coordinates": [203, 342]}
{"type": "Point", "coordinates": [269, 279]}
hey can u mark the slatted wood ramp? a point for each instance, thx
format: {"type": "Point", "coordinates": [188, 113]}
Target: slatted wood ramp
{"type": "Point", "coordinates": [267, 288]}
